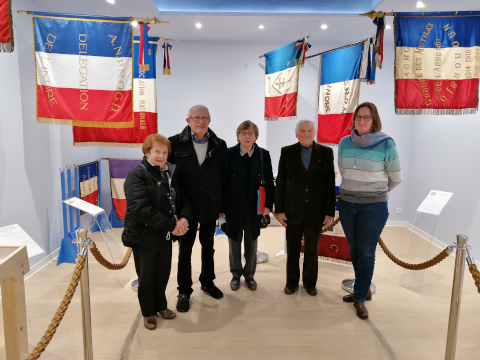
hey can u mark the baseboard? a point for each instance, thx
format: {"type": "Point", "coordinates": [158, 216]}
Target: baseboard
{"type": "Point", "coordinates": [42, 263]}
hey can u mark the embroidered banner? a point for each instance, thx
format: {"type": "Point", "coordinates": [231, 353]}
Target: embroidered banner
{"type": "Point", "coordinates": [281, 79]}
{"type": "Point", "coordinates": [166, 59]}
{"type": "Point", "coordinates": [88, 174]}
{"type": "Point", "coordinates": [84, 70]}
{"type": "Point", "coordinates": [340, 73]}
{"type": "Point", "coordinates": [119, 169]}
{"type": "Point", "coordinates": [437, 62]}
{"type": "Point", "coordinates": [6, 26]}
{"type": "Point", "coordinates": [144, 105]}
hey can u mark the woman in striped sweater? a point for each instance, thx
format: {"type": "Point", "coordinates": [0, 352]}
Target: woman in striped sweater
{"type": "Point", "coordinates": [370, 168]}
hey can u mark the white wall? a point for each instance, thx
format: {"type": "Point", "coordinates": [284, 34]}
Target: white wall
{"type": "Point", "coordinates": [228, 77]}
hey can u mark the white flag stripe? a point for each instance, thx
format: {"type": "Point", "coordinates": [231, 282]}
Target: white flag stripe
{"type": "Point", "coordinates": [84, 72]}
{"type": "Point", "coordinates": [117, 189]}
{"type": "Point", "coordinates": [144, 95]}
{"type": "Point", "coordinates": [282, 82]}
{"type": "Point", "coordinates": [454, 63]}
{"type": "Point", "coordinates": [338, 98]}
{"type": "Point", "coordinates": [88, 186]}
{"type": "Point", "coordinates": [364, 63]}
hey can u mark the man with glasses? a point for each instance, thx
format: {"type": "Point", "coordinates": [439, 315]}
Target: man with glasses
{"type": "Point", "coordinates": [305, 200]}
{"type": "Point", "coordinates": [202, 162]}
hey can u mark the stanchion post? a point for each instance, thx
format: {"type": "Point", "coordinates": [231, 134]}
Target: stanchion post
{"type": "Point", "coordinates": [64, 206]}
{"type": "Point", "coordinates": [456, 297]}
{"type": "Point", "coordinates": [70, 194]}
{"type": "Point", "coordinates": [77, 193]}
{"type": "Point", "coordinates": [82, 243]}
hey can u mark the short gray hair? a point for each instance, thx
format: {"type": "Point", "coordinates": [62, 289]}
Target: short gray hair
{"type": "Point", "coordinates": [197, 106]}
{"type": "Point", "coordinates": [303, 122]}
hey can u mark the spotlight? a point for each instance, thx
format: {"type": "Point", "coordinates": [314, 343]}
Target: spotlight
{"type": "Point", "coordinates": [134, 23]}
{"type": "Point", "coordinates": [111, 1]}
{"type": "Point", "coordinates": [198, 25]}
{"type": "Point", "coordinates": [420, 4]}
{"type": "Point", "coordinates": [324, 26]}
{"type": "Point", "coordinates": [261, 26]}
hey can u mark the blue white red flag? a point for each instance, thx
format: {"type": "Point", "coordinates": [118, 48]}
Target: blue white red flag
{"type": "Point", "coordinates": [143, 48]}
{"type": "Point", "coordinates": [84, 70]}
{"type": "Point", "coordinates": [437, 62]}
{"type": "Point", "coordinates": [144, 106]}
{"type": "Point", "coordinates": [119, 169]}
{"type": "Point", "coordinates": [89, 182]}
{"type": "Point", "coordinates": [340, 74]}
{"type": "Point", "coordinates": [166, 59]}
{"type": "Point", "coordinates": [281, 81]}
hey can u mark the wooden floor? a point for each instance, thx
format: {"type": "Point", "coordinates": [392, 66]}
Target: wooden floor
{"type": "Point", "coordinates": [265, 323]}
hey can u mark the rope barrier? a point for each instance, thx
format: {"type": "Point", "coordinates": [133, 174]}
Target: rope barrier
{"type": "Point", "coordinates": [101, 260]}
{"type": "Point", "coordinates": [52, 328]}
{"type": "Point", "coordinates": [475, 274]}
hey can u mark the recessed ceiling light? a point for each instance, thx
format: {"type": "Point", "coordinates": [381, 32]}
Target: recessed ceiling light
{"type": "Point", "coordinates": [261, 26]}
{"type": "Point", "coordinates": [420, 4]}
{"type": "Point", "coordinates": [324, 26]}
{"type": "Point", "coordinates": [387, 26]}
{"type": "Point", "coordinates": [134, 23]}
{"type": "Point", "coordinates": [111, 1]}
{"type": "Point", "coordinates": [198, 25]}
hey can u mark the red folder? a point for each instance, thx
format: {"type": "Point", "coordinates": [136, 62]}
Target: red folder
{"type": "Point", "coordinates": [262, 196]}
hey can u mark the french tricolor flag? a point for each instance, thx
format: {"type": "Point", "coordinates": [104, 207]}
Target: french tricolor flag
{"type": "Point", "coordinates": [437, 62]}
{"type": "Point", "coordinates": [338, 92]}
{"type": "Point", "coordinates": [281, 82]}
{"type": "Point", "coordinates": [89, 182]}
{"type": "Point", "coordinates": [119, 169]}
{"type": "Point", "coordinates": [84, 70]}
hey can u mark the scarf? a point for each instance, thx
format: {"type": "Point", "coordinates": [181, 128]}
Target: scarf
{"type": "Point", "coordinates": [368, 140]}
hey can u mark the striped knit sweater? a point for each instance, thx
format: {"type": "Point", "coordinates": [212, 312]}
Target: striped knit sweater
{"type": "Point", "coordinates": [368, 173]}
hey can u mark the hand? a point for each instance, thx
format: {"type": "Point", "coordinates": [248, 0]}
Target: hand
{"type": "Point", "coordinates": [220, 215]}
{"type": "Point", "coordinates": [177, 231]}
{"type": "Point", "coordinates": [328, 220]}
{"type": "Point", "coordinates": [266, 211]}
{"type": "Point", "coordinates": [282, 218]}
{"type": "Point", "coordinates": [183, 225]}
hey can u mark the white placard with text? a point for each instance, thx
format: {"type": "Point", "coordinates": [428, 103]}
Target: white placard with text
{"type": "Point", "coordinates": [14, 235]}
{"type": "Point", "coordinates": [435, 202]}
{"type": "Point", "coordinates": [84, 206]}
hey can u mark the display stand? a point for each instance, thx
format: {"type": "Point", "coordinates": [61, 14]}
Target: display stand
{"type": "Point", "coordinates": [13, 267]}
{"type": "Point", "coordinates": [419, 250]}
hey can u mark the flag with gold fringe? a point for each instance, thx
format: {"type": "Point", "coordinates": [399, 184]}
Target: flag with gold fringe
{"type": "Point", "coordinates": [437, 62]}
{"type": "Point", "coordinates": [144, 105]}
{"type": "Point", "coordinates": [84, 70]}
{"type": "Point", "coordinates": [6, 26]}
{"type": "Point", "coordinates": [166, 58]}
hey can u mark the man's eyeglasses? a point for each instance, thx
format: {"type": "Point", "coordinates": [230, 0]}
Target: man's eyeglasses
{"type": "Point", "coordinates": [198, 118]}
{"type": "Point", "coordinates": [364, 118]}
{"type": "Point", "coordinates": [247, 133]}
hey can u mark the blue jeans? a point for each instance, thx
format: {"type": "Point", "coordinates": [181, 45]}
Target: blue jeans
{"type": "Point", "coordinates": [362, 224]}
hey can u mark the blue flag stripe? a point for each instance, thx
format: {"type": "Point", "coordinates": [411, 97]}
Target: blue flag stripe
{"type": "Point", "coordinates": [73, 37]}
{"type": "Point", "coordinates": [281, 58]}
{"type": "Point", "coordinates": [341, 65]}
{"type": "Point", "coordinates": [418, 32]}
{"type": "Point", "coordinates": [148, 59]}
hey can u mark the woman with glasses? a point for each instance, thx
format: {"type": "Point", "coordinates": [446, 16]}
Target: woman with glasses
{"type": "Point", "coordinates": [370, 167]}
{"type": "Point", "coordinates": [247, 162]}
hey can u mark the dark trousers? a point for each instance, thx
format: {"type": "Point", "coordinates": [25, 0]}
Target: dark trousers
{"type": "Point", "coordinates": [153, 270]}
{"type": "Point", "coordinates": [311, 233]}
{"type": "Point", "coordinates": [362, 224]}
{"type": "Point", "coordinates": [207, 275]}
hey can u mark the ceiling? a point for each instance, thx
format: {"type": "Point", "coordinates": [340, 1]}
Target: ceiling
{"type": "Point", "coordinates": [265, 7]}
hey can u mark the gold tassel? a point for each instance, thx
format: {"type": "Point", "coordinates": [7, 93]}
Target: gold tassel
{"type": "Point", "coordinates": [167, 72]}
{"type": "Point", "coordinates": [144, 68]}
{"type": "Point", "coordinates": [107, 144]}
{"type": "Point", "coordinates": [82, 123]}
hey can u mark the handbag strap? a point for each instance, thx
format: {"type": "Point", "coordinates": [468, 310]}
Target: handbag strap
{"type": "Point", "coordinates": [261, 165]}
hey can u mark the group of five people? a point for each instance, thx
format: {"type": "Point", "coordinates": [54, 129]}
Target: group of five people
{"type": "Point", "coordinates": [187, 182]}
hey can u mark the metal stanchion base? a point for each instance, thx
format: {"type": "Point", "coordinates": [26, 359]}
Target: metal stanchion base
{"type": "Point", "coordinates": [348, 284]}
{"type": "Point", "coordinates": [261, 257]}
{"type": "Point", "coordinates": [135, 285]}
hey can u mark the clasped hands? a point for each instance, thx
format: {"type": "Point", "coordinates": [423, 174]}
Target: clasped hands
{"type": "Point", "coordinates": [181, 227]}
{"type": "Point", "coordinates": [282, 218]}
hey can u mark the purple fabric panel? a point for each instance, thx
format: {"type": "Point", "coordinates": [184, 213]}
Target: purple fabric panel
{"type": "Point", "coordinates": [120, 168]}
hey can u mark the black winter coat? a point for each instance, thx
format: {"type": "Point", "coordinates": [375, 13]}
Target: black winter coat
{"type": "Point", "coordinates": [149, 216]}
{"type": "Point", "coordinates": [300, 199]}
{"type": "Point", "coordinates": [236, 190]}
{"type": "Point", "coordinates": [203, 185]}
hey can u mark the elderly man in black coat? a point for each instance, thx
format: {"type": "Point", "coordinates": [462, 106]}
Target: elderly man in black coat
{"type": "Point", "coordinates": [305, 200]}
{"type": "Point", "coordinates": [202, 161]}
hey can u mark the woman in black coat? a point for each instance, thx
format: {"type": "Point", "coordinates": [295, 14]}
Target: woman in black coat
{"type": "Point", "coordinates": [157, 212]}
{"type": "Point", "coordinates": [243, 180]}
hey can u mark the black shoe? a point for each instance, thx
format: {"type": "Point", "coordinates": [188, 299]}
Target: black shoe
{"type": "Point", "coordinates": [213, 291]}
{"type": "Point", "coordinates": [183, 303]}
{"type": "Point", "coordinates": [252, 284]}
{"type": "Point", "coordinates": [235, 283]}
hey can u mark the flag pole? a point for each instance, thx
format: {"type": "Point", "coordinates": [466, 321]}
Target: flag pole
{"type": "Point", "coordinates": [303, 39]}
{"type": "Point", "coordinates": [339, 48]}
{"type": "Point", "coordinates": [151, 21]}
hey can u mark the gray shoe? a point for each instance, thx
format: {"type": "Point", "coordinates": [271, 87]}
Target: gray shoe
{"type": "Point", "coordinates": [235, 283]}
{"type": "Point", "coordinates": [252, 284]}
